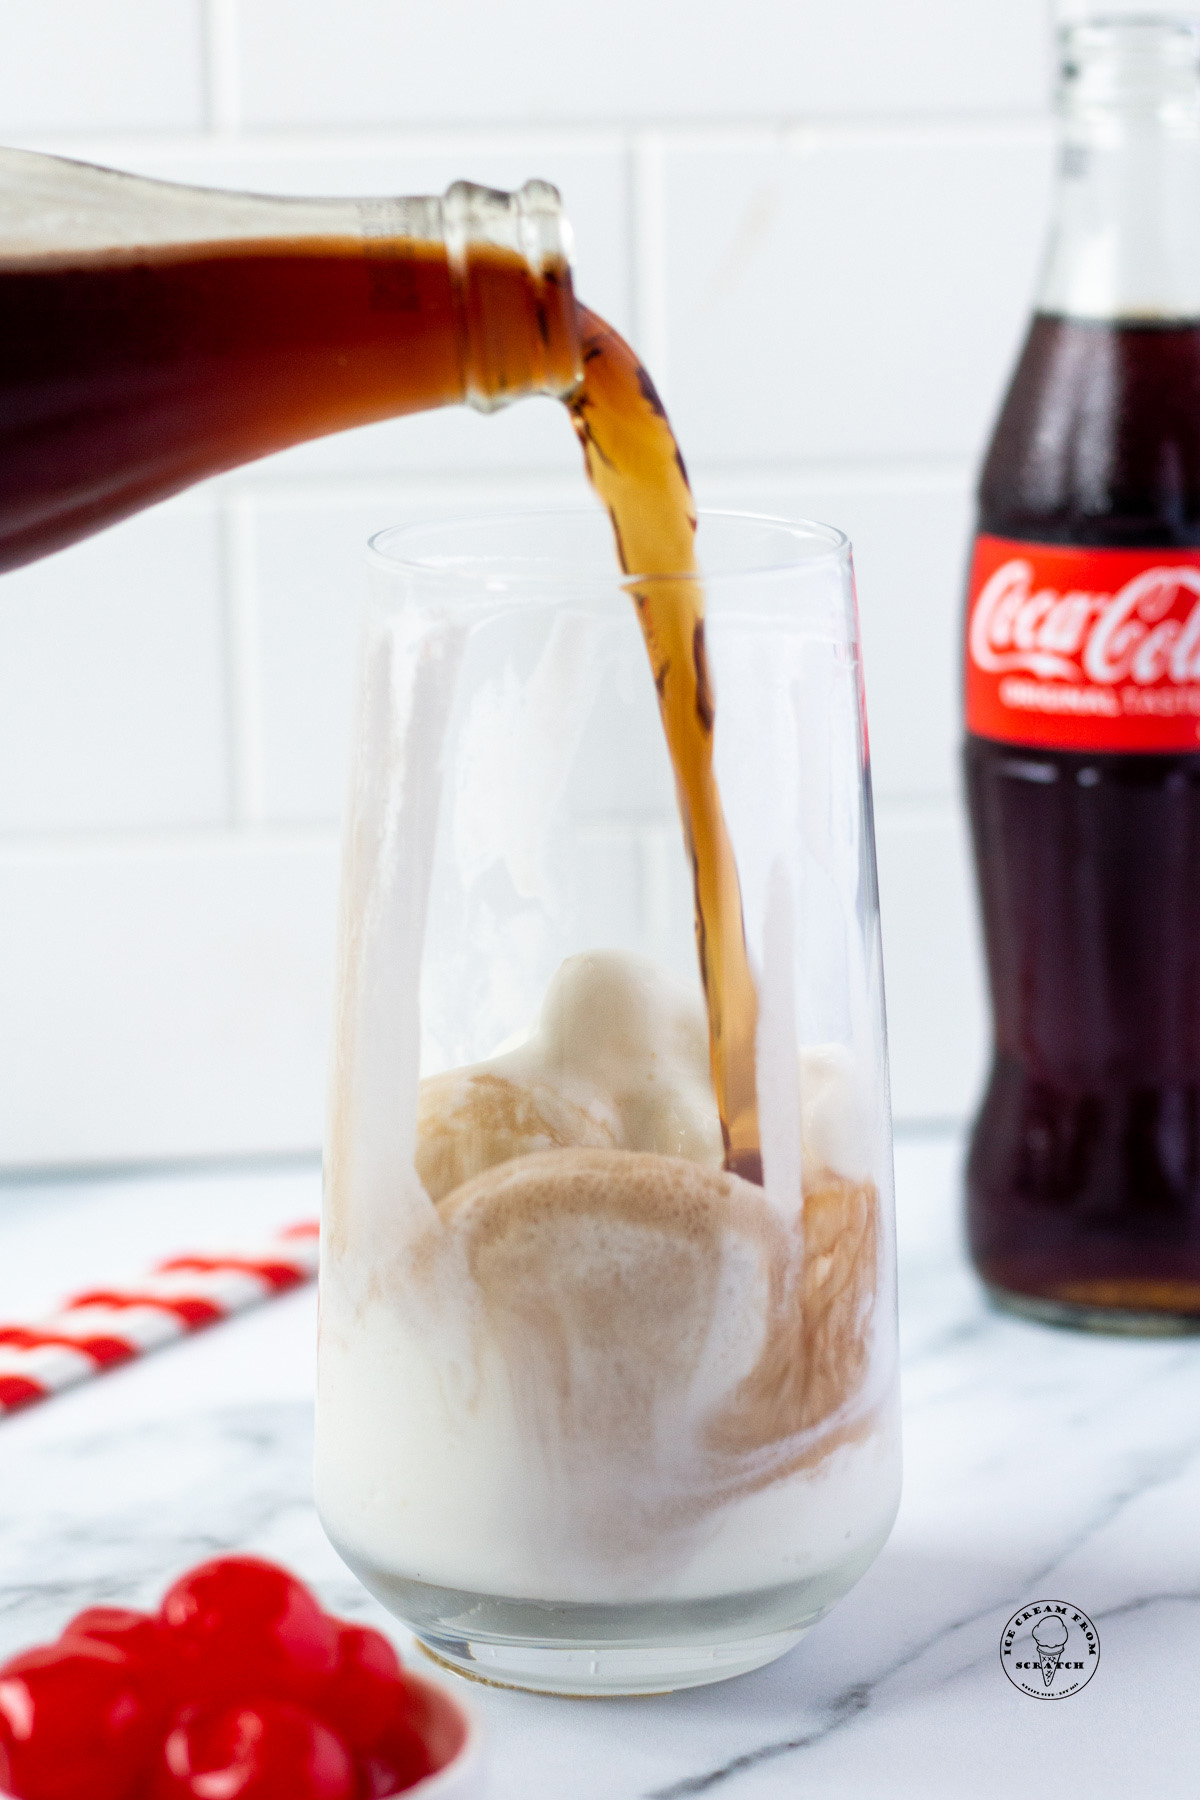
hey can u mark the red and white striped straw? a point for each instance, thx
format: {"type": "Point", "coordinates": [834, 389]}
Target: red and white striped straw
{"type": "Point", "coordinates": [110, 1325]}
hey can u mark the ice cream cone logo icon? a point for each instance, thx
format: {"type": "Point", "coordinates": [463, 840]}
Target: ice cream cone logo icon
{"type": "Point", "coordinates": [1049, 1649]}
{"type": "Point", "coordinates": [1050, 1636]}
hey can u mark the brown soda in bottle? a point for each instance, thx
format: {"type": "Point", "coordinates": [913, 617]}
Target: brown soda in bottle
{"type": "Point", "coordinates": [152, 335]}
{"type": "Point", "coordinates": [1083, 716]}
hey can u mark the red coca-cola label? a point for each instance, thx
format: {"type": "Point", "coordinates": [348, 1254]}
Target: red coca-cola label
{"type": "Point", "coordinates": [1073, 649]}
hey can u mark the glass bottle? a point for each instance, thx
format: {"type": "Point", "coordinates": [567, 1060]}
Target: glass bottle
{"type": "Point", "coordinates": [1083, 719]}
{"type": "Point", "coordinates": [153, 334]}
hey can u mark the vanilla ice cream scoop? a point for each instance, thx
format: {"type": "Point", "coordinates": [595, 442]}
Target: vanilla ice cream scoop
{"type": "Point", "coordinates": [1050, 1634]}
{"type": "Point", "coordinates": [619, 1060]}
{"type": "Point", "coordinates": [621, 1026]}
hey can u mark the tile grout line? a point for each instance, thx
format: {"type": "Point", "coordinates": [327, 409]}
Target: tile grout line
{"type": "Point", "coordinates": [222, 74]}
{"type": "Point", "coordinates": [283, 837]}
{"type": "Point", "coordinates": [339, 487]}
{"type": "Point", "coordinates": [648, 258]}
{"type": "Point", "coordinates": [629, 201]}
{"type": "Point", "coordinates": [802, 132]}
{"type": "Point", "coordinates": [372, 486]}
{"type": "Point", "coordinates": [243, 670]}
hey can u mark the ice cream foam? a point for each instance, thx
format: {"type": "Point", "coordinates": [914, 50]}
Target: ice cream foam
{"type": "Point", "coordinates": [650, 1356]}
{"type": "Point", "coordinates": [629, 1290]}
{"type": "Point", "coordinates": [619, 1060]}
{"type": "Point", "coordinates": [604, 1366]}
{"type": "Point", "coordinates": [624, 1292]}
{"type": "Point", "coordinates": [471, 1119]}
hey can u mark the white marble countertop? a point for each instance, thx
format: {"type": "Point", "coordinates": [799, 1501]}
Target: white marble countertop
{"type": "Point", "coordinates": [1038, 1464]}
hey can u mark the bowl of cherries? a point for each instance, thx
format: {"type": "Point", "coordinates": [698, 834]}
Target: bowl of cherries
{"type": "Point", "coordinates": [238, 1688]}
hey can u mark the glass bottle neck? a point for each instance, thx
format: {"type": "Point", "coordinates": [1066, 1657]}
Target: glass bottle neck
{"type": "Point", "coordinates": [506, 255]}
{"type": "Point", "coordinates": [1125, 237]}
{"type": "Point", "coordinates": [529, 345]}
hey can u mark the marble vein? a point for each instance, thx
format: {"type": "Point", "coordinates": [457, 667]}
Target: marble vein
{"type": "Point", "coordinates": [1036, 1462]}
{"type": "Point", "coordinates": [844, 1709]}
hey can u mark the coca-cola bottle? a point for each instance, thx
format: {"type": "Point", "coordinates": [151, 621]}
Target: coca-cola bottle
{"type": "Point", "coordinates": [1083, 720]}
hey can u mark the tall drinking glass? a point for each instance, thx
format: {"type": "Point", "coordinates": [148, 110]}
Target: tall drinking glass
{"type": "Point", "coordinates": [596, 1415]}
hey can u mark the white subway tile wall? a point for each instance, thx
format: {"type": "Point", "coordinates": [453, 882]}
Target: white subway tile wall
{"type": "Point", "coordinates": [820, 222]}
{"type": "Point", "coordinates": [73, 65]}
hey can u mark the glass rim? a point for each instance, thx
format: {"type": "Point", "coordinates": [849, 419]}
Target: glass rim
{"type": "Point", "coordinates": [834, 550]}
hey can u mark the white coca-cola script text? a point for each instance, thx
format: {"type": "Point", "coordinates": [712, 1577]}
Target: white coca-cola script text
{"type": "Point", "coordinates": [1147, 632]}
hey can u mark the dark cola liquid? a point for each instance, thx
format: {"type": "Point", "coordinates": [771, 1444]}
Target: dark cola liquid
{"type": "Point", "coordinates": [635, 466]}
{"type": "Point", "coordinates": [127, 376]}
{"type": "Point", "coordinates": [1084, 1170]}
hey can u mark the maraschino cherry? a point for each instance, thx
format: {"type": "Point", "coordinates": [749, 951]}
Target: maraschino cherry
{"type": "Point", "coordinates": [73, 1723]}
{"type": "Point", "coordinates": [240, 1626]}
{"type": "Point", "coordinates": [239, 1688]}
{"type": "Point", "coordinates": [269, 1750]}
